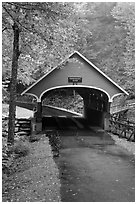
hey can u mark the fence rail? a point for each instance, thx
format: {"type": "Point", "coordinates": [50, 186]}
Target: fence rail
{"type": "Point", "coordinates": [125, 129]}
{"type": "Point", "coordinates": [119, 108]}
{"type": "Point", "coordinates": [22, 126]}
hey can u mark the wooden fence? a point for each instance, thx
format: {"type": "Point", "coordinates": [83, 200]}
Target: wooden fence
{"type": "Point", "coordinates": [22, 126]}
{"type": "Point", "coordinates": [118, 108]}
{"type": "Point", "coordinates": [125, 129]}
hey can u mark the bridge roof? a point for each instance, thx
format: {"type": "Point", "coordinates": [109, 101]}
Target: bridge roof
{"type": "Point", "coordinates": [75, 71]}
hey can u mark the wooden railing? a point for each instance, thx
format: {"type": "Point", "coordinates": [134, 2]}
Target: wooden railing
{"type": "Point", "coordinates": [124, 129]}
{"type": "Point", "coordinates": [22, 126]}
{"type": "Point", "coordinates": [119, 108]}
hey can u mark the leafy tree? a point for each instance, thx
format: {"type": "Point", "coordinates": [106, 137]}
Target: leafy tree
{"type": "Point", "coordinates": [125, 13]}
{"type": "Point", "coordinates": [15, 57]}
{"type": "Point", "coordinates": [110, 43]}
{"type": "Point", "coordinates": [48, 31]}
{"type": "Point", "coordinates": [35, 19]}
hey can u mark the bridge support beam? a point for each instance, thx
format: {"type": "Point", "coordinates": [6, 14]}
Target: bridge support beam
{"type": "Point", "coordinates": [107, 117]}
{"type": "Point", "coordinates": [94, 117]}
{"type": "Point", "coordinates": [97, 113]}
{"type": "Point", "coordinates": [38, 117]}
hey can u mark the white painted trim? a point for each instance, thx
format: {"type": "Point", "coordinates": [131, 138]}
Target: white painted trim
{"type": "Point", "coordinates": [63, 109]}
{"type": "Point", "coordinates": [115, 96]}
{"type": "Point", "coordinates": [47, 74]}
{"type": "Point", "coordinates": [101, 72]}
{"type": "Point", "coordinates": [31, 95]}
{"type": "Point", "coordinates": [74, 86]}
{"type": "Point", "coordinates": [39, 100]}
{"type": "Point", "coordinates": [90, 63]}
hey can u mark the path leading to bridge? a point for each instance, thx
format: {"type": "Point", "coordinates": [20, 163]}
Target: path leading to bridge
{"type": "Point", "coordinates": [94, 169]}
{"type": "Point", "coordinates": [91, 167]}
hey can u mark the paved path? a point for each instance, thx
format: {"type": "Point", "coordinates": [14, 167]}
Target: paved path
{"type": "Point", "coordinates": [94, 169]}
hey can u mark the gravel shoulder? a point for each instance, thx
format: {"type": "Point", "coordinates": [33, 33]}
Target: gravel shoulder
{"type": "Point", "coordinates": [35, 178]}
{"type": "Point", "coordinates": [129, 146]}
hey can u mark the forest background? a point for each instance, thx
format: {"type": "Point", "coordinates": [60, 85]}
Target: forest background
{"type": "Point", "coordinates": [48, 32]}
{"type": "Point", "coordinates": [36, 36]}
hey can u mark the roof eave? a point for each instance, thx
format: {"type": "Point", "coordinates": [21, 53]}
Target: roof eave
{"type": "Point", "coordinates": [90, 63]}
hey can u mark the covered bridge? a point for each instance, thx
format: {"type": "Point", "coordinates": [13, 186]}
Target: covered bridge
{"type": "Point", "coordinates": [78, 73]}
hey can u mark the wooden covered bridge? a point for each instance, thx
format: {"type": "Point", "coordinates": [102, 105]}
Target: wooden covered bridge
{"type": "Point", "coordinates": [78, 73]}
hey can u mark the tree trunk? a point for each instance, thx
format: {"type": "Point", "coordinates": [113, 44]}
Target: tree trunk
{"type": "Point", "coordinates": [13, 84]}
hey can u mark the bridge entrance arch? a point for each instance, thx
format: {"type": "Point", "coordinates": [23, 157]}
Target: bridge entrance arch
{"type": "Point", "coordinates": [78, 73]}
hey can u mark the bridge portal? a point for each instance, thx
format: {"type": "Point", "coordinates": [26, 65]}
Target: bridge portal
{"type": "Point", "coordinates": [78, 73]}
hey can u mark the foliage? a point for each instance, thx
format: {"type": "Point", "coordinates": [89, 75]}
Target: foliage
{"type": "Point", "coordinates": [5, 96]}
{"type": "Point", "coordinates": [102, 31]}
{"type": "Point", "coordinates": [108, 42]}
{"type": "Point", "coordinates": [55, 142]}
{"type": "Point", "coordinates": [34, 18]}
{"type": "Point", "coordinates": [125, 13]}
{"type": "Point", "coordinates": [6, 160]}
{"type": "Point", "coordinates": [65, 99]}
{"type": "Point", "coordinates": [48, 31]}
{"type": "Point", "coordinates": [10, 153]}
{"type": "Point", "coordinates": [33, 176]}
{"type": "Point", "coordinates": [43, 31]}
{"type": "Point", "coordinates": [20, 148]}
{"type": "Point", "coordinates": [109, 39]}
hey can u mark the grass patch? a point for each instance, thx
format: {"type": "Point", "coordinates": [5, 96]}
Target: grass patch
{"type": "Point", "coordinates": [20, 148]}
{"type": "Point", "coordinates": [34, 177]}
